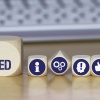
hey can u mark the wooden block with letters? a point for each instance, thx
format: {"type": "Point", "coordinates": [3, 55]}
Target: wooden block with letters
{"type": "Point", "coordinates": [10, 55]}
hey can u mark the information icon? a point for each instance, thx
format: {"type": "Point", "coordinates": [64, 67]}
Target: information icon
{"type": "Point", "coordinates": [96, 67]}
{"type": "Point", "coordinates": [81, 67]}
{"type": "Point", "coordinates": [37, 67]}
{"type": "Point", "coordinates": [59, 65]}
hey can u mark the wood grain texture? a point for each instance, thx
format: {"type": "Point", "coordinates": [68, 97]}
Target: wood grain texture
{"type": "Point", "coordinates": [52, 87]}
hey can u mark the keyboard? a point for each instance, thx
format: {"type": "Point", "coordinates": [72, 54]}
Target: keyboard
{"type": "Point", "coordinates": [50, 20]}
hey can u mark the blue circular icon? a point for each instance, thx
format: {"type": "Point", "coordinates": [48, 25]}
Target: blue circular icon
{"type": "Point", "coordinates": [37, 67]}
{"type": "Point", "coordinates": [96, 67]}
{"type": "Point", "coordinates": [59, 65]}
{"type": "Point", "coordinates": [81, 67]}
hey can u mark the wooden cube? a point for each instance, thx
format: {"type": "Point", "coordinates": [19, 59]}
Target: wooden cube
{"type": "Point", "coordinates": [59, 63]}
{"type": "Point", "coordinates": [37, 65]}
{"type": "Point", "coordinates": [81, 65]}
{"type": "Point", "coordinates": [95, 65]}
{"type": "Point", "coordinates": [10, 55]}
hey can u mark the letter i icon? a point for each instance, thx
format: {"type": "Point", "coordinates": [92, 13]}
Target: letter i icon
{"type": "Point", "coordinates": [37, 67]}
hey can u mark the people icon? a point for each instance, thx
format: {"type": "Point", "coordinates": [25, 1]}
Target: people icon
{"type": "Point", "coordinates": [81, 67]}
{"type": "Point", "coordinates": [37, 67]}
